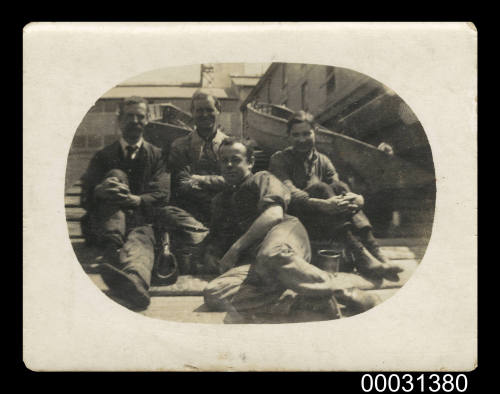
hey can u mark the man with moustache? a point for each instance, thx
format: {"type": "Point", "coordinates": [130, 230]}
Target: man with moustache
{"type": "Point", "coordinates": [125, 191]}
{"type": "Point", "coordinates": [323, 203]}
{"type": "Point", "coordinates": [193, 159]}
{"type": "Point", "coordinates": [264, 253]}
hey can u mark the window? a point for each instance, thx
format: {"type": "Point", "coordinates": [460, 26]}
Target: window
{"type": "Point", "coordinates": [330, 82]}
{"type": "Point", "coordinates": [303, 96]}
{"type": "Point", "coordinates": [94, 141]}
{"type": "Point", "coordinates": [79, 142]}
{"type": "Point", "coordinates": [284, 77]}
{"type": "Point", "coordinates": [110, 138]}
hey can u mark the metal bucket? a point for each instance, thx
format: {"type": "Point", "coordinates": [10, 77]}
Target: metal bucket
{"type": "Point", "coordinates": [329, 260]}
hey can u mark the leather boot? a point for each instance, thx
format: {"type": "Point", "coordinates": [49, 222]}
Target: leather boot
{"type": "Point", "coordinates": [370, 242]}
{"type": "Point", "coordinates": [367, 264]}
{"type": "Point", "coordinates": [166, 271]}
{"type": "Point", "coordinates": [126, 285]}
{"type": "Point", "coordinates": [356, 299]}
{"type": "Point", "coordinates": [327, 306]}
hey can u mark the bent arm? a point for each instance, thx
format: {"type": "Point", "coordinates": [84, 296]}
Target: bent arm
{"type": "Point", "coordinates": [280, 169]}
{"type": "Point", "coordinates": [259, 228]}
{"type": "Point", "coordinates": [157, 191]}
{"type": "Point", "coordinates": [182, 174]}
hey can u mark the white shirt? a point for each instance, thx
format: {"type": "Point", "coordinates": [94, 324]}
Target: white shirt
{"type": "Point", "coordinates": [124, 145]}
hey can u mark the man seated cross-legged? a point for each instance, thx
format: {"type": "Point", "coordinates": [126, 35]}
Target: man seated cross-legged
{"type": "Point", "coordinates": [126, 189]}
{"type": "Point", "coordinates": [324, 204]}
{"type": "Point", "coordinates": [264, 254]}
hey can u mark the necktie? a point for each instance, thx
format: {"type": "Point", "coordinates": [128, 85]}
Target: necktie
{"type": "Point", "coordinates": [208, 151]}
{"type": "Point", "coordinates": [130, 151]}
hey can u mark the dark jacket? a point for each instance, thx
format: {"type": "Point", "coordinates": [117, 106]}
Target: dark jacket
{"type": "Point", "coordinates": [150, 180]}
{"type": "Point", "coordinates": [187, 158]}
{"type": "Point", "coordinates": [298, 173]}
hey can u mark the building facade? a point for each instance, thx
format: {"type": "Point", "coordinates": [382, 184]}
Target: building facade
{"type": "Point", "coordinates": [356, 105]}
{"type": "Point", "coordinates": [227, 81]}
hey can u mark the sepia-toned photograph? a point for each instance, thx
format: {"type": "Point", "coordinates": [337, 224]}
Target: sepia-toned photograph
{"type": "Point", "coordinates": [250, 193]}
{"type": "Point", "coordinates": [250, 196]}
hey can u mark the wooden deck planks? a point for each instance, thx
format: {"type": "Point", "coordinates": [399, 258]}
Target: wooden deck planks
{"type": "Point", "coordinates": [193, 285]}
{"type": "Point", "coordinates": [183, 309]}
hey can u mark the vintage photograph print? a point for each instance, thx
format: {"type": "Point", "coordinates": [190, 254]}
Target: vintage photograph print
{"type": "Point", "coordinates": [250, 193]}
{"type": "Point", "coordinates": [250, 196]}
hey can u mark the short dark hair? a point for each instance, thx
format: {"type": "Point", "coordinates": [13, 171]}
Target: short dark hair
{"type": "Point", "coordinates": [131, 101]}
{"type": "Point", "coordinates": [204, 94]}
{"type": "Point", "coordinates": [230, 141]}
{"type": "Point", "coordinates": [301, 117]}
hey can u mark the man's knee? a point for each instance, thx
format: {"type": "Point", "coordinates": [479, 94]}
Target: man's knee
{"type": "Point", "coordinates": [274, 256]}
{"type": "Point", "coordinates": [320, 190]}
{"type": "Point", "coordinates": [117, 173]}
{"type": "Point", "coordinates": [181, 224]}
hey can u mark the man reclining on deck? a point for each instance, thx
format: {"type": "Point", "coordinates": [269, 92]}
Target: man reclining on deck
{"type": "Point", "coordinates": [126, 189]}
{"type": "Point", "coordinates": [263, 252]}
{"type": "Point", "coordinates": [324, 204]}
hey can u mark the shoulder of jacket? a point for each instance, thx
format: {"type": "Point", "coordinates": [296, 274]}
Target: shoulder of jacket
{"type": "Point", "coordinates": [152, 148]}
{"type": "Point", "coordinates": [181, 141]}
{"type": "Point", "coordinates": [109, 150]}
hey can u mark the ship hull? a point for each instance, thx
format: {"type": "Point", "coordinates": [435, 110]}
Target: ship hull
{"type": "Point", "coordinates": [376, 168]}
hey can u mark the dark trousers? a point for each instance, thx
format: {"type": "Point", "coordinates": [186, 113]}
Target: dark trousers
{"type": "Point", "coordinates": [320, 226]}
{"type": "Point", "coordinates": [197, 203]}
{"type": "Point", "coordinates": [138, 233]}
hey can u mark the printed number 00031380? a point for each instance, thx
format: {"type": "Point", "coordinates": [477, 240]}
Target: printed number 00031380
{"type": "Point", "coordinates": [431, 383]}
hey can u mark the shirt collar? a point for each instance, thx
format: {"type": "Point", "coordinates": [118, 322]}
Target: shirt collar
{"type": "Point", "coordinates": [124, 144]}
{"type": "Point", "coordinates": [210, 137]}
{"type": "Point", "coordinates": [311, 157]}
{"type": "Point", "coordinates": [236, 187]}
{"type": "Point", "coordinates": [215, 139]}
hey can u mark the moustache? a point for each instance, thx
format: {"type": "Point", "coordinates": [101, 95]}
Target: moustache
{"type": "Point", "coordinates": [308, 144]}
{"type": "Point", "coordinates": [134, 127]}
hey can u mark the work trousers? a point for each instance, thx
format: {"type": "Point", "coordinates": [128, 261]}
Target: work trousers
{"type": "Point", "coordinates": [138, 233]}
{"type": "Point", "coordinates": [197, 203]}
{"type": "Point", "coordinates": [320, 226]}
{"type": "Point", "coordinates": [279, 263]}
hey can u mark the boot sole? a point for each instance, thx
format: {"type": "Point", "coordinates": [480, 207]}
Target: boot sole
{"type": "Point", "coordinates": [124, 287]}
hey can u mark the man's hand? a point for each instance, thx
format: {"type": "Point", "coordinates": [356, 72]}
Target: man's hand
{"type": "Point", "coordinates": [128, 200]}
{"type": "Point", "coordinates": [355, 199]}
{"type": "Point", "coordinates": [336, 205]}
{"type": "Point", "coordinates": [192, 182]}
{"type": "Point", "coordinates": [229, 260]}
{"type": "Point", "coordinates": [385, 147]}
{"type": "Point", "coordinates": [111, 189]}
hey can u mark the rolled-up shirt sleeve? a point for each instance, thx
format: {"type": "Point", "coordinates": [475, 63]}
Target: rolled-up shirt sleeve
{"type": "Point", "coordinates": [271, 192]}
{"type": "Point", "coordinates": [280, 168]}
{"type": "Point", "coordinates": [331, 177]}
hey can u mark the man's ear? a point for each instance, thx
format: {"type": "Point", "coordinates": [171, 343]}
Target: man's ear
{"type": "Point", "coordinates": [251, 162]}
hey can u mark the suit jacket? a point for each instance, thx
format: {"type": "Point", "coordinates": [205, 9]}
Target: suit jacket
{"type": "Point", "coordinates": [185, 160]}
{"type": "Point", "coordinates": [151, 183]}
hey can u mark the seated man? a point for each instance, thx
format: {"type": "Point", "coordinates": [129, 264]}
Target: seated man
{"type": "Point", "coordinates": [263, 252]}
{"type": "Point", "coordinates": [125, 189]}
{"type": "Point", "coordinates": [323, 203]}
{"type": "Point", "coordinates": [193, 159]}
